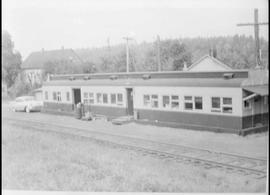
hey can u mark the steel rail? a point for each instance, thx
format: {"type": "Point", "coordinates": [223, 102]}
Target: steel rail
{"type": "Point", "coordinates": [146, 150]}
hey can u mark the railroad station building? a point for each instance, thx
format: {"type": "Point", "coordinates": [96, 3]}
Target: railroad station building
{"type": "Point", "coordinates": [222, 100]}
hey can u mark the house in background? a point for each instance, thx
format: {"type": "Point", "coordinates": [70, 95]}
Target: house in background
{"type": "Point", "coordinates": [34, 65]}
{"type": "Point", "coordinates": [208, 63]}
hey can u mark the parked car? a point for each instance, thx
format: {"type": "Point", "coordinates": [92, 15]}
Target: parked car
{"type": "Point", "coordinates": [26, 103]}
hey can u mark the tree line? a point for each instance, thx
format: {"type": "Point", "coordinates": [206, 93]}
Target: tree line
{"type": "Point", "coordinates": [237, 51]}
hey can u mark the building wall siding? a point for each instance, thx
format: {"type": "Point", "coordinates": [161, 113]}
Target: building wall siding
{"type": "Point", "coordinates": [198, 119]}
{"type": "Point", "coordinates": [106, 110]}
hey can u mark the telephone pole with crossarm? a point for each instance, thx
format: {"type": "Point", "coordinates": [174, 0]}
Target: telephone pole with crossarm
{"type": "Point", "coordinates": [256, 25]}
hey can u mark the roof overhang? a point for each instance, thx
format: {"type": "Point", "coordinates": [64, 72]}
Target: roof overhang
{"type": "Point", "coordinates": [261, 90]}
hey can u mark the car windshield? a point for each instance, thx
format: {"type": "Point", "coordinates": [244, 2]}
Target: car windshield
{"type": "Point", "coordinates": [21, 99]}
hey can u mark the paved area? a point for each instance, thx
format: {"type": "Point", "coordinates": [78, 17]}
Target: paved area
{"type": "Point", "coordinates": [252, 145]}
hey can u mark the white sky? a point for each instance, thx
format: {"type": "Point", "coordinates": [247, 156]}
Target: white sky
{"type": "Point", "coordinates": [51, 24]}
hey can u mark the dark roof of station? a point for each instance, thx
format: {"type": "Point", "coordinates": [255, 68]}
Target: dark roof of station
{"type": "Point", "coordinates": [235, 78]}
{"type": "Point", "coordinates": [190, 82]}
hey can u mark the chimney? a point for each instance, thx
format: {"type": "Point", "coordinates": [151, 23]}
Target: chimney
{"type": "Point", "coordinates": [215, 52]}
{"type": "Point", "coordinates": [185, 66]}
{"type": "Point", "coordinates": [210, 52]}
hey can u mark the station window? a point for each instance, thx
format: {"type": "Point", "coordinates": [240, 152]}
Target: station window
{"type": "Point", "coordinates": [215, 104]}
{"type": "Point", "coordinates": [188, 103]}
{"type": "Point", "coordinates": [166, 101]}
{"type": "Point", "coordinates": [227, 105]}
{"type": "Point", "coordinates": [113, 98]}
{"type": "Point", "coordinates": [99, 98]}
{"type": "Point", "coordinates": [198, 103]}
{"type": "Point", "coordinates": [68, 96]}
{"type": "Point", "coordinates": [175, 101]}
{"type": "Point", "coordinates": [91, 98]}
{"type": "Point", "coordinates": [54, 96]}
{"type": "Point", "coordinates": [120, 99]}
{"type": "Point", "coordinates": [146, 100]}
{"type": "Point", "coordinates": [227, 101]}
{"type": "Point", "coordinates": [154, 101]}
{"type": "Point", "coordinates": [105, 98]}
{"type": "Point", "coordinates": [58, 96]}
{"type": "Point", "coordinates": [46, 95]}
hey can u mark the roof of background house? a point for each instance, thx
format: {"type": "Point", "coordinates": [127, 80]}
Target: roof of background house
{"type": "Point", "coordinates": [36, 60]}
{"type": "Point", "coordinates": [215, 62]}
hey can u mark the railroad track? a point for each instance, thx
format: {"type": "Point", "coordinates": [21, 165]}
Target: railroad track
{"type": "Point", "coordinates": [200, 157]}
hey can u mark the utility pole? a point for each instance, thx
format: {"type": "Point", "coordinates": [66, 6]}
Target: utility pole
{"type": "Point", "coordinates": [108, 43]}
{"type": "Point", "coordinates": [127, 50]}
{"type": "Point", "coordinates": [256, 25]}
{"type": "Point", "coordinates": [158, 54]}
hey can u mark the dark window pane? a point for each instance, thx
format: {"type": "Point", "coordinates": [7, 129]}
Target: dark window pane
{"type": "Point", "coordinates": [188, 106]}
{"type": "Point", "coordinates": [227, 101]}
{"type": "Point", "coordinates": [215, 102]}
{"type": "Point", "coordinates": [175, 104]}
{"type": "Point", "coordinates": [227, 109]}
{"type": "Point", "coordinates": [198, 103]}
{"type": "Point", "coordinates": [166, 101]}
{"type": "Point", "coordinates": [105, 98]}
{"type": "Point", "coordinates": [146, 100]}
{"type": "Point", "coordinates": [99, 97]}
{"type": "Point", "coordinates": [113, 98]}
{"type": "Point", "coordinates": [119, 97]}
{"type": "Point", "coordinates": [188, 97]}
{"type": "Point", "coordinates": [67, 96]}
{"type": "Point", "coordinates": [175, 97]}
{"type": "Point", "coordinates": [154, 96]}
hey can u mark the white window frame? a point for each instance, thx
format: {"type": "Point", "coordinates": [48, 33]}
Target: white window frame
{"type": "Point", "coordinates": [175, 101]}
{"type": "Point", "coordinates": [119, 102]}
{"type": "Point", "coordinates": [91, 99]}
{"type": "Point", "coordinates": [153, 100]}
{"type": "Point", "coordinates": [188, 101]}
{"type": "Point", "coordinates": [67, 96]}
{"type": "Point", "coordinates": [169, 104]}
{"type": "Point", "coordinates": [148, 102]}
{"type": "Point", "coordinates": [111, 95]}
{"type": "Point", "coordinates": [220, 104]}
{"type": "Point", "coordinates": [103, 95]}
{"type": "Point", "coordinates": [227, 105]}
{"type": "Point", "coordinates": [101, 98]}
{"type": "Point", "coordinates": [194, 105]}
{"type": "Point", "coordinates": [58, 96]}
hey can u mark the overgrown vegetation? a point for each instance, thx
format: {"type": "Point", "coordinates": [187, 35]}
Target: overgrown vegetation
{"type": "Point", "coordinates": [11, 60]}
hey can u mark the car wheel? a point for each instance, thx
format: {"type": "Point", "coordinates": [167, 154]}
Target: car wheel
{"type": "Point", "coordinates": [27, 109]}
